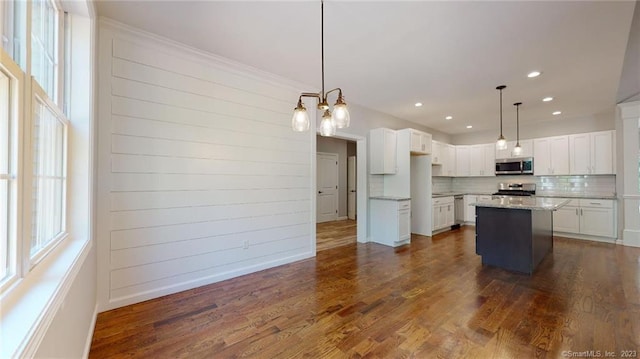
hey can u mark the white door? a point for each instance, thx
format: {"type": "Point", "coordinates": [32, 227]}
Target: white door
{"type": "Point", "coordinates": [327, 187]}
{"type": "Point", "coordinates": [351, 187]}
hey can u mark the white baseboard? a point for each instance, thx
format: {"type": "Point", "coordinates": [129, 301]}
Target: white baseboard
{"type": "Point", "coordinates": [92, 328]}
{"type": "Point", "coordinates": [585, 237]}
{"type": "Point", "coordinates": [343, 218]}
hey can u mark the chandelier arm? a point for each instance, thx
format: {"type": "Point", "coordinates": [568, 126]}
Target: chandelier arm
{"type": "Point", "coordinates": [310, 94]}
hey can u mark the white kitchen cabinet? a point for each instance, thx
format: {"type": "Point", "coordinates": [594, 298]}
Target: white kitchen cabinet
{"type": "Point", "coordinates": [482, 160]}
{"type": "Point", "coordinates": [469, 210]}
{"type": "Point", "coordinates": [590, 217]}
{"type": "Point", "coordinates": [382, 151]}
{"type": "Point", "coordinates": [390, 221]}
{"type": "Point", "coordinates": [449, 166]}
{"type": "Point", "coordinates": [436, 152]}
{"type": "Point", "coordinates": [527, 150]}
{"type": "Point", "coordinates": [591, 153]}
{"type": "Point", "coordinates": [420, 142]}
{"type": "Point", "coordinates": [551, 156]}
{"type": "Point", "coordinates": [443, 159]}
{"type": "Point", "coordinates": [462, 160]}
{"type": "Point", "coordinates": [443, 213]}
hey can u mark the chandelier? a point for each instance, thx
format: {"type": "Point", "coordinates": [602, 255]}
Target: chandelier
{"type": "Point", "coordinates": [338, 118]}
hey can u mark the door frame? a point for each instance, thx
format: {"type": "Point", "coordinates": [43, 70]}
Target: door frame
{"type": "Point", "coordinates": [361, 195]}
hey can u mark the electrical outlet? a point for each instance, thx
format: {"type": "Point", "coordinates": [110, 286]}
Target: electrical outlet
{"type": "Point", "coordinates": [245, 244]}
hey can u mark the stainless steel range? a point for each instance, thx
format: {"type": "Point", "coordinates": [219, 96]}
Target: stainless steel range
{"type": "Point", "coordinates": [515, 189]}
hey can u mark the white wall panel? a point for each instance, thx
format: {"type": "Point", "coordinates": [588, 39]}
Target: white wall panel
{"type": "Point", "coordinates": [202, 177]}
{"type": "Point", "coordinates": [128, 201]}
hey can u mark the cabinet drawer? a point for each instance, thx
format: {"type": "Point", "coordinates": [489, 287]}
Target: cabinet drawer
{"type": "Point", "coordinates": [598, 203]}
{"type": "Point", "coordinates": [404, 205]}
{"type": "Point", "coordinates": [443, 200]}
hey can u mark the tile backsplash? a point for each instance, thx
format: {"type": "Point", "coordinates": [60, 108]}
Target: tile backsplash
{"type": "Point", "coordinates": [603, 185]}
{"type": "Point", "coordinates": [441, 184]}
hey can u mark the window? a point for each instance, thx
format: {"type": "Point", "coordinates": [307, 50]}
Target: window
{"type": "Point", "coordinates": [13, 30]}
{"type": "Point", "coordinates": [49, 174]}
{"type": "Point", "coordinates": [45, 46]}
{"type": "Point", "coordinates": [10, 108]}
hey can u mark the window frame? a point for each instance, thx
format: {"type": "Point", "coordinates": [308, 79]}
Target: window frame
{"type": "Point", "coordinates": [14, 203]}
{"type": "Point", "coordinates": [59, 55]}
{"type": "Point", "coordinates": [38, 95]}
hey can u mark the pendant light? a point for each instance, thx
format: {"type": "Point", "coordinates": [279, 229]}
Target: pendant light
{"type": "Point", "coordinates": [339, 118]}
{"type": "Point", "coordinates": [518, 149]}
{"type": "Point", "coordinates": [501, 144]}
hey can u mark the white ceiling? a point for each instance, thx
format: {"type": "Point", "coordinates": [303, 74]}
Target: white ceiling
{"type": "Point", "coordinates": [387, 55]}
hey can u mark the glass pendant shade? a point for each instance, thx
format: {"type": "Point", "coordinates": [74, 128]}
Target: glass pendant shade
{"type": "Point", "coordinates": [341, 115]}
{"type": "Point", "coordinates": [501, 144]}
{"type": "Point", "coordinates": [327, 125]}
{"type": "Point", "coordinates": [300, 120]}
{"type": "Point", "coordinates": [517, 150]}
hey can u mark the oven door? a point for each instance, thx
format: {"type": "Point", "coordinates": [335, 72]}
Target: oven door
{"type": "Point", "coordinates": [508, 167]}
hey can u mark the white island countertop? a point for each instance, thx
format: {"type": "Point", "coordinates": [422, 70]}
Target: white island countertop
{"type": "Point", "coordinates": [529, 203]}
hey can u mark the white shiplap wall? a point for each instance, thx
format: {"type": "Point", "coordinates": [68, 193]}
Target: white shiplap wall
{"type": "Point", "coordinates": [200, 176]}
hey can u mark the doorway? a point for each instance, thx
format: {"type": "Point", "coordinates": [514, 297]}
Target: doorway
{"type": "Point", "coordinates": [336, 192]}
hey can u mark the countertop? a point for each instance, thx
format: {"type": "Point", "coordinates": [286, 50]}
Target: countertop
{"type": "Point", "coordinates": [530, 203]}
{"type": "Point", "coordinates": [576, 196]}
{"type": "Point", "coordinates": [391, 198]}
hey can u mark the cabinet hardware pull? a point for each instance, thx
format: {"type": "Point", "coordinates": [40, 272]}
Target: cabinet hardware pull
{"type": "Point", "coordinates": [576, 211]}
{"type": "Point", "coordinates": [581, 213]}
{"type": "Point", "coordinates": [596, 203]}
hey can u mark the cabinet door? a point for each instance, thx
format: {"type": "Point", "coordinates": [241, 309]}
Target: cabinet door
{"type": "Point", "coordinates": [390, 143]}
{"type": "Point", "coordinates": [450, 215]}
{"type": "Point", "coordinates": [542, 157]}
{"type": "Point", "coordinates": [567, 219]}
{"type": "Point", "coordinates": [451, 160]}
{"type": "Point", "coordinates": [505, 153]}
{"type": "Point", "coordinates": [559, 155]}
{"type": "Point", "coordinates": [436, 155]}
{"type": "Point", "coordinates": [415, 141]}
{"type": "Point", "coordinates": [580, 154]}
{"type": "Point", "coordinates": [602, 152]}
{"type": "Point", "coordinates": [469, 211]}
{"type": "Point", "coordinates": [426, 143]}
{"type": "Point", "coordinates": [489, 168]}
{"type": "Point", "coordinates": [476, 160]}
{"type": "Point", "coordinates": [596, 221]}
{"type": "Point", "coordinates": [404, 224]}
{"type": "Point", "coordinates": [462, 161]}
{"type": "Point", "coordinates": [527, 148]}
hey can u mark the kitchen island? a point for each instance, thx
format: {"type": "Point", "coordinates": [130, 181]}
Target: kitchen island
{"type": "Point", "coordinates": [515, 233]}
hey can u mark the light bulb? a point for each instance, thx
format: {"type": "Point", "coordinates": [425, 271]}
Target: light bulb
{"type": "Point", "coordinates": [327, 125]}
{"type": "Point", "coordinates": [300, 120]}
{"type": "Point", "coordinates": [517, 150]}
{"type": "Point", "coordinates": [502, 143]}
{"type": "Point", "coordinates": [341, 115]}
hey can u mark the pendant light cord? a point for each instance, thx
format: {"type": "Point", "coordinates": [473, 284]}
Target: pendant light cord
{"type": "Point", "coordinates": [518, 124]}
{"type": "Point", "coordinates": [322, 42]}
{"type": "Point", "coordinates": [500, 112]}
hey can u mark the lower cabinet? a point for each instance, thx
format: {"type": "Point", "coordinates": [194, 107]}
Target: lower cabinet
{"type": "Point", "coordinates": [443, 213]}
{"type": "Point", "coordinates": [469, 210]}
{"type": "Point", "coordinates": [391, 221]}
{"type": "Point", "coordinates": [589, 217]}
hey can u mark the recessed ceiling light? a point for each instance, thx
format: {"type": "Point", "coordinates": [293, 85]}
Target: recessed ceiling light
{"type": "Point", "coordinates": [557, 113]}
{"type": "Point", "coordinates": [418, 104]}
{"type": "Point", "coordinates": [534, 74]}
{"type": "Point", "coordinates": [469, 126]}
{"type": "Point", "coordinates": [547, 99]}
{"type": "Point", "coordinates": [449, 118]}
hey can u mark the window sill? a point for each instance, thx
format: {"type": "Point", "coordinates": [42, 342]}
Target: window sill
{"type": "Point", "coordinates": [27, 309]}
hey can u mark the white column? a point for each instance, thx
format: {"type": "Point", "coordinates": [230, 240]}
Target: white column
{"type": "Point", "coordinates": [630, 136]}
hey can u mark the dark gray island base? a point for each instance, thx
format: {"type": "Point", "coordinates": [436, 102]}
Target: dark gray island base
{"type": "Point", "coordinates": [515, 233]}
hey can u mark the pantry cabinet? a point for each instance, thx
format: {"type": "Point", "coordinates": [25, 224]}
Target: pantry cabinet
{"type": "Point", "coordinates": [382, 149]}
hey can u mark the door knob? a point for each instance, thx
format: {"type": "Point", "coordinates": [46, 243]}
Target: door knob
{"type": "Point", "coordinates": [319, 191]}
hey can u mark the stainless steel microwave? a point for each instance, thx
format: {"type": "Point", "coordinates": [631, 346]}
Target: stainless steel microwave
{"type": "Point", "coordinates": [514, 166]}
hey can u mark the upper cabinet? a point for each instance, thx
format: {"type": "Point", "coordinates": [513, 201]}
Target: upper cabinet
{"type": "Point", "coordinates": [482, 160]}
{"type": "Point", "coordinates": [438, 149]}
{"type": "Point", "coordinates": [462, 160]}
{"type": "Point", "coordinates": [527, 150]}
{"type": "Point", "coordinates": [382, 149]}
{"type": "Point", "coordinates": [551, 156]}
{"type": "Point", "coordinates": [592, 153]}
{"type": "Point", "coordinates": [443, 158]}
{"type": "Point", "coordinates": [420, 142]}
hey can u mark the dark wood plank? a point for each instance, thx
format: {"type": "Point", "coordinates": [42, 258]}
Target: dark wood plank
{"type": "Point", "coordinates": [431, 298]}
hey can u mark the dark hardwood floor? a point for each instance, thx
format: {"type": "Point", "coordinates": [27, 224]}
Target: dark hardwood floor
{"type": "Point", "coordinates": [335, 234]}
{"type": "Point", "coordinates": [430, 299]}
